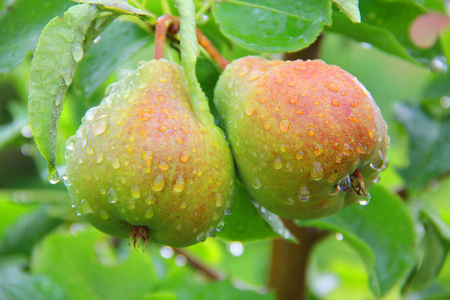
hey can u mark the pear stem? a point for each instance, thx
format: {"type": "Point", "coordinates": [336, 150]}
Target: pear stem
{"type": "Point", "coordinates": [163, 26]}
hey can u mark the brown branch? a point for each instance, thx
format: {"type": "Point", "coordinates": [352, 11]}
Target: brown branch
{"type": "Point", "coordinates": [290, 261]}
{"type": "Point", "coordinates": [209, 47]}
{"type": "Point", "coordinates": [198, 265]}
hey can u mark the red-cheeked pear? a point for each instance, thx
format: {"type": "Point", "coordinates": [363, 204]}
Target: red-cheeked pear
{"type": "Point", "coordinates": [307, 137]}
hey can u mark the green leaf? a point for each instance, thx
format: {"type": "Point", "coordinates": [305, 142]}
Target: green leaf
{"type": "Point", "coordinates": [272, 26]}
{"type": "Point", "coordinates": [88, 268]}
{"type": "Point", "coordinates": [432, 253]}
{"type": "Point", "coordinates": [61, 47]}
{"type": "Point", "coordinates": [117, 43]}
{"type": "Point", "coordinates": [26, 232]}
{"type": "Point", "coordinates": [429, 141]}
{"type": "Point", "coordinates": [16, 284]}
{"type": "Point", "coordinates": [121, 7]}
{"type": "Point", "coordinates": [388, 254]}
{"type": "Point", "coordinates": [20, 25]}
{"type": "Point", "coordinates": [385, 25]}
{"type": "Point", "coordinates": [223, 290]}
{"type": "Point", "coordinates": [350, 9]}
{"type": "Point", "coordinates": [248, 223]}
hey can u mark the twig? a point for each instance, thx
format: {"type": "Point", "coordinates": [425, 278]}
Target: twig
{"type": "Point", "coordinates": [196, 264]}
{"type": "Point", "coordinates": [209, 47]}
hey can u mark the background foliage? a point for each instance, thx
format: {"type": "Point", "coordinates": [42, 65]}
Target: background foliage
{"type": "Point", "coordinates": [395, 246]}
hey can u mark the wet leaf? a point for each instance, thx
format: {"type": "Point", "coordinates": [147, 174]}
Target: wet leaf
{"type": "Point", "coordinates": [61, 47]}
{"type": "Point", "coordinates": [117, 43]}
{"type": "Point", "coordinates": [429, 145]}
{"type": "Point", "coordinates": [387, 254]}
{"type": "Point", "coordinates": [249, 222]}
{"type": "Point", "coordinates": [26, 232]}
{"type": "Point", "coordinates": [121, 7]}
{"type": "Point", "coordinates": [385, 25]}
{"type": "Point", "coordinates": [20, 26]}
{"type": "Point", "coordinates": [16, 284]}
{"type": "Point", "coordinates": [432, 252]}
{"type": "Point", "coordinates": [93, 270]}
{"type": "Point", "coordinates": [350, 9]}
{"type": "Point", "coordinates": [272, 26]}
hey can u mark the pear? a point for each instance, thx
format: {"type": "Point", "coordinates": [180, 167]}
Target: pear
{"type": "Point", "coordinates": [308, 139]}
{"type": "Point", "coordinates": [143, 165]}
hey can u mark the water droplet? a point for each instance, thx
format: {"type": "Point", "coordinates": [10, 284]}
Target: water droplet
{"type": "Point", "coordinates": [70, 145]}
{"type": "Point", "coordinates": [266, 124]}
{"type": "Point", "coordinates": [377, 163]}
{"type": "Point", "coordinates": [221, 226]}
{"type": "Point", "coordinates": [250, 108]}
{"type": "Point", "coordinates": [344, 184]}
{"type": "Point", "coordinates": [90, 114]}
{"type": "Point", "coordinates": [331, 86]}
{"type": "Point", "coordinates": [283, 148]}
{"type": "Point", "coordinates": [284, 125]}
{"type": "Point", "coordinates": [136, 192]}
{"type": "Point", "coordinates": [201, 237]}
{"type": "Point", "coordinates": [184, 129]}
{"type": "Point", "coordinates": [179, 184]}
{"type": "Point", "coordinates": [299, 112]}
{"type": "Point", "coordinates": [219, 200]}
{"type": "Point", "coordinates": [77, 53]}
{"type": "Point", "coordinates": [370, 133]}
{"type": "Point", "coordinates": [131, 204]}
{"type": "Point", "coordinates": [303, 194]}
{"type": "Point", "coordinates": [102, 191]}
{"type": "Point", "coordinates": [364, 200]}
{"type": "Point", "coordinates": [317, 171]}
{"type": "Point", "coordinates": [229, 209]}
{"type": "Point", "coordinates": [245, 69]}
{"type": "Point", "coordinates": [290, 201]}
{"type": "Point", "coordinates": [158, 183]}
{"type": "Point", "coordinates": [256, 184]}
{"type": "Point", "coordinates": [83, 208]}
{"type": "Point", "coordinates": [318, 150]}
{"type": "Point", "coordinates": [346, 150]}
{"type": "Point", "coordinates": [338, 159]}
{"type": "Point", "coordinates": [288, 167]}
{"type": "Point", "coordinates": [99, 158]}
{"type": "Point", "coordinates": [148, 213]}
{"type": "Point", "coordinates": [361, 149]}
{"type": "Point", "coordinates": [183, 205]}
{"type": "Point", "coordinates": [162, 128]}
{"type": "Point", "coordinates": [161, 98]}
{"type": "Point", "coordinates": [277, 163]}
{"type": "Point", "coordinates": [184, 156]}
{"type": "Point", "coordinates": [179, 226]}
{"type": "Point", "coordinates": [162, 79]}
{"type": "Point", "coordinates": [335, 102]}
{"type": "Point", "coordinates": [149, 199]}
{"type": "Point", "coordinates": [53, 177]}
{"type": "Point", "coordinates": [300, 155]}
{"type": "Point", "coordinates": [112, 196]}
{"type": "Point", "coordinates": [116, 163]}
{"type": "Point", "coordinates": [294, 99]}
{"type": "Point", "coordinates": [103, 215]}
{"type": "Point", "coordinates": [162, 165]}
{"type": "Point", "coordinates": [100, 124]}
